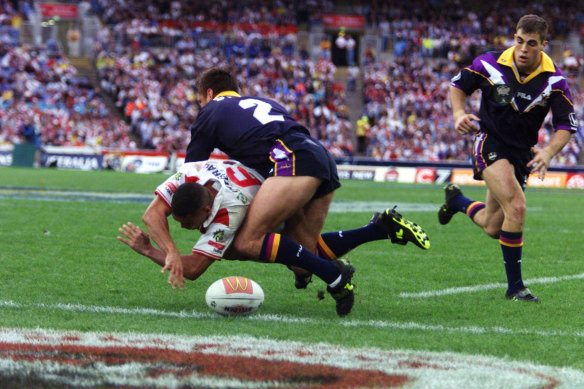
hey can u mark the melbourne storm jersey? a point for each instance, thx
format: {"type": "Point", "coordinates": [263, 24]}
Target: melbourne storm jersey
{"type": "Point", "coordinates": [236, 186]}
{"type": "Point", "coordinates": [513, 109]}
{"type": "Point", "coordinates": [245, 128]}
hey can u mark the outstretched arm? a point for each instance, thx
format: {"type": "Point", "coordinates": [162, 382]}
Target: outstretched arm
{"type": "Point", "coordinates": [194, 264]}
{"type": "Point", "coordinates": [156, 220]}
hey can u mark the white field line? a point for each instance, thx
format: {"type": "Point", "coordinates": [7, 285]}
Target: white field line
{"type": "Point", "coordinates": [477, 288]}
{"type": "Point", "coordinates": [379, 324]}
{"type": "Point", "coordinates": [338, 206]}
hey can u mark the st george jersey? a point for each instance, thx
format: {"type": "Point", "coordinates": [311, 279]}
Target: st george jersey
{"type": "Point", "coordinates": [513, 106]}
{"type": "Point", "coordinates": [236, 186]}
{"type": "Point", "coordinates": [245, 128]}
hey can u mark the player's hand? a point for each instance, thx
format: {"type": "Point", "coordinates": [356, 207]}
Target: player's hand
{"type": "Point", "coordinates": [137, 239]}
{"type": "Point", "coordinates": [540, 162]}
{"type": "Point", "coordinates": [466, 124]}
{"type": "Point", "coordinates": [173, 264]}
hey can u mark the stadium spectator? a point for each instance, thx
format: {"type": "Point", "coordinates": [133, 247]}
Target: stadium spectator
{"type": "Point", "coordinates": [40, 86]}
{"type": "Point", "coordinates": [503, 155]}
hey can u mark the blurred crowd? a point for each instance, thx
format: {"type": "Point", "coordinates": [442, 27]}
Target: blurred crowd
{"type": "Point", "coordinates": [149, 54]}
{"type": "Point", "coordinates": [155, 86]}
{"type": "Point", "coordinates": [406, 103]}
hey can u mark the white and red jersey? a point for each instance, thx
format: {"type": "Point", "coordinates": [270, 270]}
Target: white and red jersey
{"type": "Point", "coordinates": [236, 186]}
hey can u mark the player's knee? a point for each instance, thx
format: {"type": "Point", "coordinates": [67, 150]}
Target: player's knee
{"type": "Point", "coordinates": [516, 212]}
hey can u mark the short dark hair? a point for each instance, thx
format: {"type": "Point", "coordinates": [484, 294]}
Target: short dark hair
{"type": "Point", "coordinates": [188, 199]}
{"type": "Point", "coordinates": [533, 24]}
{"type": "Point", "coordinates": [218, 80]}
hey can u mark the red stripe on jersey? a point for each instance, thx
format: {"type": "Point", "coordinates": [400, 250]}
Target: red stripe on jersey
{"type": "Point", "coordinates": [191, 178]}
{"type": "Point", "coordinates": [161, 197]}
{"type": "Point", "coordinates": [172, 187]}
{"type": "Point", "coordinates": [222, 217]}
{"type": "Point", "coordinates": [206, 254]}
{"type": "Point", "coordinates": [216, 245]}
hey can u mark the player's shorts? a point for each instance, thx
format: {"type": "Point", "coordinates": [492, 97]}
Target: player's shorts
{"type": "Point", "coordinates": [487, 149]}
{"type": "Point", "coordinates": [297, 154]}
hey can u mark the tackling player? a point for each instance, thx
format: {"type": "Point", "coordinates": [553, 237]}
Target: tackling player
{"type": "Point", "coordinates": [519, 87]}
{"type": "Point", "coordinates": [301, 177]}
{"type": "Point", "coordinates": [214, 196]}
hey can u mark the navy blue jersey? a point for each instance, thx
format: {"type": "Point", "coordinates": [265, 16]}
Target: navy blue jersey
{"type": "Point", "coordinates": [513, 109]}
{"type": "Point", "coordinates": [245, 128]}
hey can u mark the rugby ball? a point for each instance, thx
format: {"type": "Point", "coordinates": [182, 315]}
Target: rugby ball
{"type": "Point", "coordinates": [234, 296]}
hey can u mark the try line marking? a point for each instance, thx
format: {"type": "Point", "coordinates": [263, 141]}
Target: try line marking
{"type": "Point", "coordinates": [476, 288]}
{"type": "Point", "coordinates": [8, 304]}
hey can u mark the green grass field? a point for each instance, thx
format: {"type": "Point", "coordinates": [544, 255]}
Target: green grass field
{"type": "Point", "coordinates": [63, 268]}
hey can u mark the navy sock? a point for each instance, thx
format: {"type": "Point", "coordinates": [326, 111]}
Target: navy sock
{"type": "Point", "coordinates": [460, 203]}
{"type": "Point", "coordinates": [333, 245]}
{"type": "Point", "coordinates": [511, 245]}
{"type": "Point", "coordinates": [281, 249]}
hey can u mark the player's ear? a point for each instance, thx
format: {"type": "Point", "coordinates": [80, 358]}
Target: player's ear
{"type": "Point", "coordinates": [210, 94]}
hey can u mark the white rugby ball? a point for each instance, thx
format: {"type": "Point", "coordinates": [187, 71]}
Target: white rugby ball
{"type": "Point", "coordinates": [234, 296]}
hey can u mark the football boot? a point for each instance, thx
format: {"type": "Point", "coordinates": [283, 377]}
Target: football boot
{"type": "Point", "coordinates": [343, 293]}
{"type": "Point", "coordinates": [400, 230]}
{"type": "Point", "coordinates": [446, 212]}
{"type": "Point", "coordinates": [522, 295]}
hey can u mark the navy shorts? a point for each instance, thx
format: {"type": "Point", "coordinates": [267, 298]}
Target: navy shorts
{"type": "Point", "coordinates": [297, 154]}
{"type": "Point", "coordinates": [487, 149]}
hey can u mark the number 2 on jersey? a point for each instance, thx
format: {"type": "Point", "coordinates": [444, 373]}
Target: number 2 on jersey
{"type": "Point", "coordinates": [261, 111]}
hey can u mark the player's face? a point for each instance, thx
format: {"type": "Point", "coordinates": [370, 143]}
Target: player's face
{"type": "Point", "coordinates": [193, 222]}
{"type": "Point", "coordinates": [528, 48]}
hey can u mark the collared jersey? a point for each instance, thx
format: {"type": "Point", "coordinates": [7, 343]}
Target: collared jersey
{"type": "Point", "coordinates": [245, 128]}
{"type": "Point", "coordinates": [513, 109]}
{"type": "Point", "coordinates": [236, 186]}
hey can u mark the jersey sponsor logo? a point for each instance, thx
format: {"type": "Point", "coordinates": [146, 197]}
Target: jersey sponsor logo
{"type": "Point", "coordinates": [237, 285]}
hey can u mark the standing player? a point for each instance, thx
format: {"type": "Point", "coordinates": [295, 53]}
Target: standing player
{"type": "Point", "coordinates": [301, 178]}
{"type": "Point", "coordinates": [519, 86]}
{"type": "Point", "coordinates": [214, 196]}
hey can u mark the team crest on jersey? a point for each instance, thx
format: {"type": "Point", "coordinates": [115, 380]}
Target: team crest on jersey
{"type": "Point", "coordinates": [502, 94]}
{"type": "Point", "coordinates": [219, 235]}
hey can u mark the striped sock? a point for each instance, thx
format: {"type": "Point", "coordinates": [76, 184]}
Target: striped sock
{"type": "Point", "coordinates": [511, 245]}
{"type": "Point", "coordinates": [473, 208]}
{"type": "Point", "coordinates": [281, 249]}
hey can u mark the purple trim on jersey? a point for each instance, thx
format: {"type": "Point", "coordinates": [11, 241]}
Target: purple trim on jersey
{"type": "Point", "coordinates": [478, 65]}
{"type": "Point", "coordinates": [478, 151]}
{"type": "Point", "coordinates": [283, 159]}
